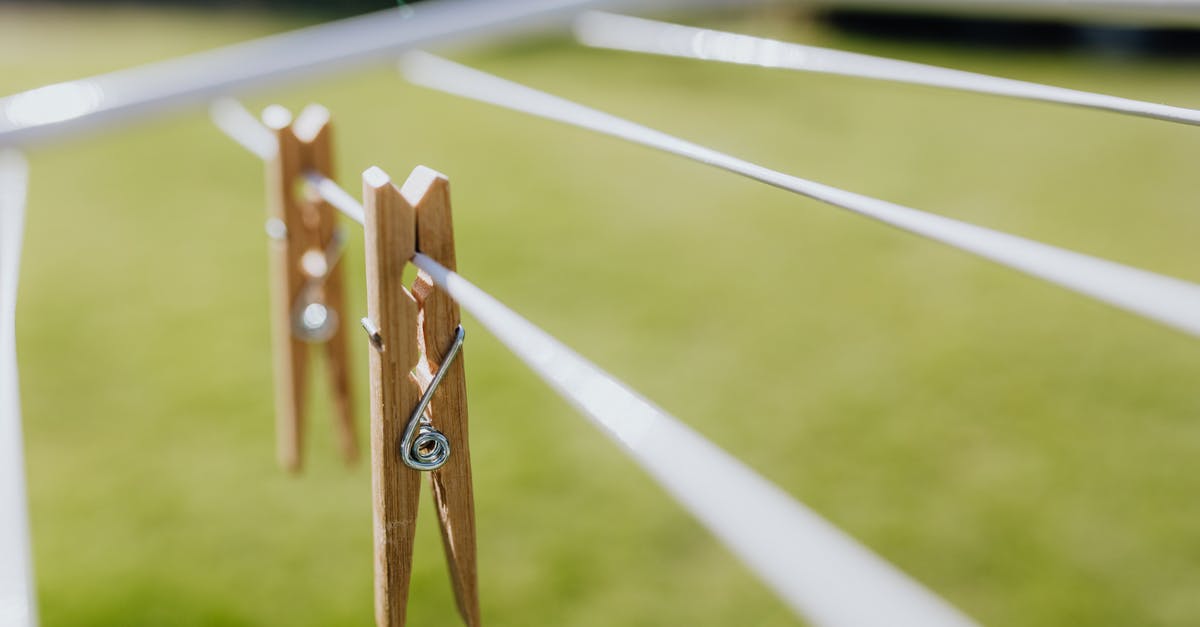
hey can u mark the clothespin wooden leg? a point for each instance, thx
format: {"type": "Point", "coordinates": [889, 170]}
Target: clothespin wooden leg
{"type": "Point", "coordinates": [390, 232]}
{"type": "Point", "coordinates": [314, 130]}
{"type": "Point", "coordinates": [286, 246]}
{"type": "Point", "coordinates": [429, 192]}
{"type": "Point", "coordinates": [304, 272]}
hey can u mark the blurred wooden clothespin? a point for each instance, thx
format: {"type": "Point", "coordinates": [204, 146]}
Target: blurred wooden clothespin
{"type": "Point", "coordinates": [415, 429]}
{"type": "Point", "coordinates": [307, 292]}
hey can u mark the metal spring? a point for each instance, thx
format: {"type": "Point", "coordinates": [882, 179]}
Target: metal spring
{"type": "Point", "coordinates": [312, 320]}
{"type": "Point", "coordinates": [423, 447]}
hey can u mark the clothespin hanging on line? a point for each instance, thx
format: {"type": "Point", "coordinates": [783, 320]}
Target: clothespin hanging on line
{"type": "Point", "coordinates": [417, 378]}
{"type": "Point", "coordinates": [414, 430]}
{"type": "Point", "coordinates": [307, 292]}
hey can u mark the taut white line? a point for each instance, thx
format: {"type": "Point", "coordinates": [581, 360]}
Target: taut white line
{"type": "Point", "coordinates": [1171, 301]}
{"type": "Point", "coordinates": [18, 606]}
{"type": "Point", "coordinates": [819, 571]}
{"type": "Point", "coordinates": [93, 103]}
{"type": "Point", "coordinates": [242, 127]}
{"type": "Point", "coordinates": [620, 32]}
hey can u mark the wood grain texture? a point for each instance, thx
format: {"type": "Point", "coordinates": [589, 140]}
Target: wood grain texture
{"type": "Point", "coordinates": [314, 130]}
{"type": "Point", "coordinates": [390, 233]}
{"type": "Point", "coordinates": [289, 353]}
{"type": "Point", "coordinates": [429, 192]}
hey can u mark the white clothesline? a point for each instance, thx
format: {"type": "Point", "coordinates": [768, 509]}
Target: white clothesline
{"type": "Point", "coordinates": [18, 606]}
{"type": "Point", "coordinates": [65, 109]}
{"type": "Point", "coordinates": [1121, 13]}
{"type": "Point", "coordinates": [633, 34]}
{"type": "Point", "coordinates": [1171, 301]}
{"type": "Point", "coordinates": [823, 574]}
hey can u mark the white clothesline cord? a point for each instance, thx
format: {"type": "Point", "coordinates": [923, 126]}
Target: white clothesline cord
{"type": "Point", "coordinates": [1173, 302]}
{"type": "Point", "coordinates": [18, 606]}
{"type": "Point", "coordinates": [242, 127]}
{"type": "Point", "coordinates": [333, 194]}
{"type": "Point", "coordinates": [620, 32]}
{"type": "Point", "coordinates": [93, 103]}
{"type": "Point", "coordinates": [820, 572]}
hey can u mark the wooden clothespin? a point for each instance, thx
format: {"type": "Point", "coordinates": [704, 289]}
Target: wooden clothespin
{"type": "Point", "coordinates": [307, 293]}
{"type": "Point", "coordinates": [414, 429]}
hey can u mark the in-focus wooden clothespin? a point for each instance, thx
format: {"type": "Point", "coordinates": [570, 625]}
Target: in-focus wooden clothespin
{"type": "Point", "coordinates": [307, 292]}
{"type": "Point", "coordinates": [413, 429]}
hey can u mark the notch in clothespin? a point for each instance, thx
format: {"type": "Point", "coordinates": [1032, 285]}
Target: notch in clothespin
{"type": "Point", "coordinates": [418, 390]}
{"type": "Point", "coordinates": [307, 290]}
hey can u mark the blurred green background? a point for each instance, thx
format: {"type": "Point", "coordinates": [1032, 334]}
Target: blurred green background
{"type": "Point", "coordinates": [1026, 453]}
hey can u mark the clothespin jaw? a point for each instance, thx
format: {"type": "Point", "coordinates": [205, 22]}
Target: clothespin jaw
{"type": "Point", "coordinates": [403, 325]}
{"type": "Point", "coordinates": [307, 290]}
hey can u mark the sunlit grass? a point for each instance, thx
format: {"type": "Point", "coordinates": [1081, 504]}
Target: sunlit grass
{"type": "Point", "coordinates": [1025, 452]}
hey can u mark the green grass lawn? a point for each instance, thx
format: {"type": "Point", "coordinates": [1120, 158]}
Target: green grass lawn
{"type": "Point", "coordinates": [1027, 453]}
